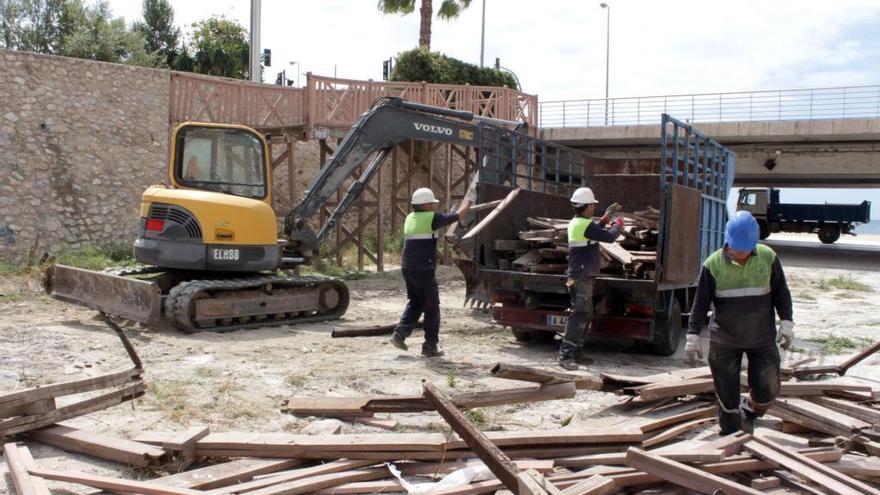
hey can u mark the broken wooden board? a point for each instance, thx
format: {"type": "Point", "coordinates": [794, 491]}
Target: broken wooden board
{"type": "Point", "coordinates": [803, 389]}
{"type": "Point", "coordinates": [497, 462]}
{"type": "Point", "coordinates": [101, 446]}
{"type": "Point", "coordinates": [291, 475]}
{"type": "Point", "coordinates": [20, 397]}
{"type": "Point", "coordinates": [684, 475]}
{"type": "Point", "coordinates": [492, 216]}
{"type": "Point", "coordinates": [111, 484]}
{"type": "Point", "coordinates": [582, 381]}
{"type": "Point", "coordinates": [617, 252]}
{"type": "Point", "coordinates": [226, 473]}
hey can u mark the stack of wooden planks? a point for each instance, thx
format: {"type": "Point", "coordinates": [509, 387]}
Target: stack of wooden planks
{"type": "Point", "coordinates": [545, 249]}
{"type": "Point", "coordinates": [645, 442]}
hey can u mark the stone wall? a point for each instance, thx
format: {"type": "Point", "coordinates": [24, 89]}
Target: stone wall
{"type": "Point", "coordinates": [79, 141]}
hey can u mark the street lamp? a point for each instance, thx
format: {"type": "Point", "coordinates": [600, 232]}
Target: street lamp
{"type": "Point", "coordinates": [483, 35]}
{"type": "Point", "coordinates": [607, 53]}
{"type": "Point", "coordinates": [295, 63]}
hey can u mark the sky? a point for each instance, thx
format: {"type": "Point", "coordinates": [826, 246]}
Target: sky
{"type": "Point", "coordinates": [557, 48]}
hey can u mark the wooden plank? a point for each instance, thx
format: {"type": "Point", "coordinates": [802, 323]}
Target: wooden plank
{"type": "Point", "coordinates": [855, 465]}
{"type": "Point", "coordinates": [534, 483]}
{"type": "Point", "coordinates": [762, 451]}
{"type": "Point", "coordinates": [373, 331]}
{"type": "Point", "coordinates": [111, 484]}
{"type": "Point", "coordinates": [662, 390]}
{"type": "Point", "coordinates": [684, 475]}
{"type": "Point", "coordinates": [26, 423]}
{"type": "Point", "coordinates": [864, 413]}
{"type": "Point", "coordinates": [803, 389]}
{"type": "Point", "coordinates": [31, 408]}
{"type": "Point", "coordinates": [385, 424]}
{"type": "Point", "coordinates": [657, 424]}
{"type": "Point", "coordinates": [594, 485]}
{"type": "Point", "coordinates": [675, 431]}
{"type": "Point", "coordinates": [24, 483]}
{"type": "Point", "coordinates": [488, 486]}
{"type": "Point", "coordinates": [812, 465]}
{"type": "Point", "coordinates": [315, 483]}
{"type": "Point", "coordinates": [509, 245]}
{"type": "Point", "coordinates": [617, 252]}
{"type": "Point", "coordinates": [500, 465]}
{"type": "Point", "coordinates": [766, 483]}
{"type": "Point", "coordinates": [101, 446]}
{"type": "Point", "coordinates": [824, 414]}
{"type": "Point", "coordinates": [358, 487]}
{"type": "Point", "coordinates": [284, 477]}
{"type": "Point", "coordinates": [38, 483]}
{"type": "Point", "coordinates": [553, 391]}
{"type": "Point", "coordinates": [583, 381]}
{"type": "Point", "coordinates": [10, 399]}
{"type": "Point", "coordinates": [495, 213]}
{"type": "Point", "coordinates": [858, 358]}
{"type": "Point", "coordinates": [436, 468]}
{"type": "Point", "coordinates": [226, 473]}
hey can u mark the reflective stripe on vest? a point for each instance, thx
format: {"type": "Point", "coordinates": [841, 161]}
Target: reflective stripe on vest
{"type": "Point", "coordinates": [749, 280]}
{"type": "Point", "coordinates": [418, 225]}
{"type": "Point", "coordinates": [577, 228]}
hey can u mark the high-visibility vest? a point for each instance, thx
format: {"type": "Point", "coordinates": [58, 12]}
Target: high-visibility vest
{"type": "Point", "coordinates": [735, 280]}
{"type": "Point", "coordinates": [418, 225]}
{"type": "Point", "coordinates": [577, 228]}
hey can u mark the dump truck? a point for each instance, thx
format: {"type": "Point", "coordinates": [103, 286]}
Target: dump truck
{"type": "Point", "coordinates": [826, 220]}
{"type": "Point", "coordinates": [686, 188]}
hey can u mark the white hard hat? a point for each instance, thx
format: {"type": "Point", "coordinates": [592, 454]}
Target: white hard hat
{"type": "Point", "coordinates": [422, 196]}
{"type": "Point", "coordinates": [583, 196]}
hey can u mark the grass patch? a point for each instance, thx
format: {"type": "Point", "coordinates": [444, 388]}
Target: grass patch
{"type": "Point", "coordinates": [295, 380]}
{"type": "Point", "coordinates": [796, 349]}
{"type": "Point", "coordinates": [805, 296]}
{"type": "Point", "coordinates": [834, 344]}
{"type": "Point", "coordinates": [566, 421]}
{"type": "Point", "coordinates": [392, 242]}
{"type": "Point", "coordinates": [331, 269]}
{"type": "Point", "coordinates": [450, 379]}
{"type": "Point", "coordinates": [872, 323]}
{"type": "Point", "coordinates": [94, 258]}
{"type": "Point", "coordinates": [206, 371]}
{"type": "Point", "coordinates": [477, 417]}
{"type": "Point", "coordinates": [844, 283]}
{"type": "Point", "coordinates": [171, 399]}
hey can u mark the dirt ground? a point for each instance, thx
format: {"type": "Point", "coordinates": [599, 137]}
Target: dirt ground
{"type": "Point", "coordinates": [236, 381]}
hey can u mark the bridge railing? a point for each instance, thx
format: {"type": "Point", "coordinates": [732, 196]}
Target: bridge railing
{"type": "Point", "coordinates": [752, 106]}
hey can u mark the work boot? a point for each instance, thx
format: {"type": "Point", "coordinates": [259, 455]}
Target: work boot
{"type": "Point", "coordinates": [581, 357]}
{"type": "Point", "coordinates": [747, 417]}
{"type": "Point", "coordinates": [430, 352]}
{"type": "Point", "coordinates": [398, 341]}
{"type": "Point", "coordinates": [568, 363]}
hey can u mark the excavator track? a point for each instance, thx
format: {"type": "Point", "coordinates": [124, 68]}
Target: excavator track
{"type": "Point", "coordinates": [223, 305]}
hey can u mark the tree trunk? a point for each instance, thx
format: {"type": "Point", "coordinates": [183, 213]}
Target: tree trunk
{"type": "Point", "coordinates": [426, 11]}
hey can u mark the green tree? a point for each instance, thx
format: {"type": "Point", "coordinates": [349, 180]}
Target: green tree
{"type": "Point", "coordinates": [449, 9]}
{"type": "Point", "coordinates": [158, 29]}
{"type": "Point", "coordinates": [92, 32]}
{"type": "Point", "coordinates": [31, 25]}
{"type": "Point", "coordinates": [220, 48]}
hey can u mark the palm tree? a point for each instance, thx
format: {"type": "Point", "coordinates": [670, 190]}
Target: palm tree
{"type": "Point", "coordinates": [449, 9]}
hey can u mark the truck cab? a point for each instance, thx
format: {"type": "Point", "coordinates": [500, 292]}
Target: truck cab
{"type": "Point", "coordinates": [756, 200]}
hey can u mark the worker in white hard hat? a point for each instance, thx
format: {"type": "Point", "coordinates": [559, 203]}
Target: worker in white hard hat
{"type": "Point", "coordinates": [418, 264]}
{"type": "Point", "coordinates": [584, 235]}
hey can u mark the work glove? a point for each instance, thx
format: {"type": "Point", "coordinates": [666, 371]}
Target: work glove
{"type": "Point", "coordinates": [693, 349]}
{"type": "Point", "coordinates": [785, 335]}
{"type": "Point", "coordinates": [619, 222]}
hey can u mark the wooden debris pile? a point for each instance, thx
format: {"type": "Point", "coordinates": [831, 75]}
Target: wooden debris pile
{"type": "Point", "coordinates": [545, 249]}
{"type": "Point", "coordinates": [647, 442]}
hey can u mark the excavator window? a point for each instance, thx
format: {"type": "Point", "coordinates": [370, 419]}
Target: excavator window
{"type": "Point", "coordinates": [226, 160]}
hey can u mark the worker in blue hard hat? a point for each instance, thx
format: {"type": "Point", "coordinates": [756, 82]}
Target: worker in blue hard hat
{"type": "Point", "coordinates": [745, 285]}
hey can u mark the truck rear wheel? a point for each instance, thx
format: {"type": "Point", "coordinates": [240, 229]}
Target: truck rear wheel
{"type": "Point", "coordinates": [521, 334]}
{"type": "Point", "coordinates": [829, 234]}
{"type": "Point", "coordinates": [765, 230]}
{"type": "Point", "coordinates": [667, 331]}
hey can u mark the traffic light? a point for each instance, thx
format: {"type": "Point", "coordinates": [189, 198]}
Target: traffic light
{"type": "Point", "coordinates": [386, 69]}
{"type": "Point", "coordinates": [267, 57]}
{"type": "Point", "coordinates": [279, 79]}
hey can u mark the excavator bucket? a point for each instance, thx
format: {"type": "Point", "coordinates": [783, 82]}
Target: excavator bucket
{"type": "Point", "coordinates": [137, 300]}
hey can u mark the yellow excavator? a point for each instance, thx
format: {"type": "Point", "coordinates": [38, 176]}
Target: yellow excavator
{"type": "Point", "coordinates": [208, 239]}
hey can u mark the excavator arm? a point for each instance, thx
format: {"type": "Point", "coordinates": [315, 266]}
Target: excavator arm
{"type": "Point", "coordinates": [387, 123]}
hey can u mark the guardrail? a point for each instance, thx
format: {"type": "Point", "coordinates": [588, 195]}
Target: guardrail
{"type": "Point", "coordinates": [752, 106]}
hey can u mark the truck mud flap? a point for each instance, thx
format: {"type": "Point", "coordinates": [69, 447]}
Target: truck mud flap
{"type": "Point", "coordinates": [137, 300]}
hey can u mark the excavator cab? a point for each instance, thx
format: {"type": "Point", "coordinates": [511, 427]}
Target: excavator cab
{"type": "Point", "coordinates": [216, 215]}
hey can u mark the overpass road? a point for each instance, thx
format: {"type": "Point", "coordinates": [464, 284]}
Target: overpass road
{"type": "Point", "coordinates": [806, 251]}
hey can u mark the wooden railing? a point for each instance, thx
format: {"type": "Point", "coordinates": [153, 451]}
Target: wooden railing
{"type": "Point", "coordinates": [328, 103]}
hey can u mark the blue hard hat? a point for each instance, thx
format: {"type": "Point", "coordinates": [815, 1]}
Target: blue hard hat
{"type": "Point", "coordinates": [742, 232]}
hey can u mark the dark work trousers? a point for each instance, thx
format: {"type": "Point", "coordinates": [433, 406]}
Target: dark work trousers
{"type": "Point", "coordinates": [423, 297]}
{"type": "Point", "coordinates": [579, 315]}
{"type": "Point", "coordinates": [726, 365]}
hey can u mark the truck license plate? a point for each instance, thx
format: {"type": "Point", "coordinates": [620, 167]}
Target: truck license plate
{"type": "Point", "coordinates": [556, 320]}
{"type": "Point", "coordinates": [225, 254]}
